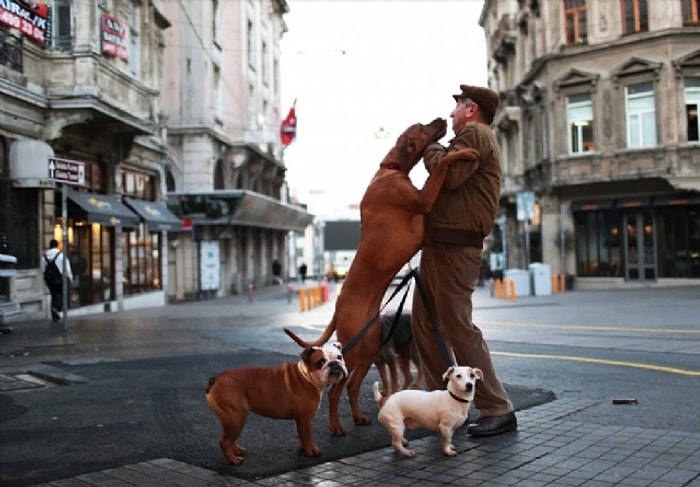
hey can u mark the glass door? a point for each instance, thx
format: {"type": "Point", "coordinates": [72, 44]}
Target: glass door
{"type": "Point", "coordinates": [640, 247]}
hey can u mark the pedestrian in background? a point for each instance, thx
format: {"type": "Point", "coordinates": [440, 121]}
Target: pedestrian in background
{"type": "Point", "coordinates": [277, 272]}
{"type": "Point", "coordinates": [302, 271]}
{"type": "Point", "coordinates": [451, 260]}
{"type": "Point", "coordinates": [53, 256]}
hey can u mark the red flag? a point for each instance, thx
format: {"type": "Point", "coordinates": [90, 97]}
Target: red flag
{"type": "Point", "coordinates": [288, 129]}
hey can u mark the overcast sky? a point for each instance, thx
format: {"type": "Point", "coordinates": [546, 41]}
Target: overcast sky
{"type": "Point", "coordinates": [359, 66]}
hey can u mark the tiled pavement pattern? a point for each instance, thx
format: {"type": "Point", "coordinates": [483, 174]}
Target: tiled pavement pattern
{"type": "Point", "coordinates": [546, 451]}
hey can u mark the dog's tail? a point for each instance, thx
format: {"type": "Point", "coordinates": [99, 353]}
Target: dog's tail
{"type": "Point", "coordinates": [378, 396]}
{"type": "Point", "coordinates": [327, 334]}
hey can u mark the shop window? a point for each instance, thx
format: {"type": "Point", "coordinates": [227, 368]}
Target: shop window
{"type": "Point", "coordinates": [579, 114]}
{"type": "Point", "coordinates": [692, 106]}
{"type": "Point", "coordinates": [641, 115]}
{"type": "Point", "coordinates": [635, 17]}
{"type": "Point", "coordinates": [91, 255]}
{"type": "Point", "coordinates": [691, 12]}
{"type": "Point", "coordinates": [575, 22]}
{"type": "Point", "coordinates": [598, 248]}
{"type": "Point", "coordinates": [141, 261]}
{"type": "Point", "coordinates": [679, 242]}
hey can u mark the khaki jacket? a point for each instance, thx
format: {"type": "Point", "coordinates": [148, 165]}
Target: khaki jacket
{"type": "Point", "coordinates": [469, 196]}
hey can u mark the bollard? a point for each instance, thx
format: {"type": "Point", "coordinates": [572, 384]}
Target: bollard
{"type": "Point", "coordinates": [499, 288]}
{"type": "Point", "coordinates": [562, 282]}
{"type": "Point", "coordinates": [324, 286]}
{"type": "Point", "coordinates": [492, 286]}
{"type": "Point", "coordinates": [555, 284]}
{"type": "Point", "coordinates": [250, 292]}
{"type": "Point", "coordinates": [302, 300]}
{"type": "Point", "coordinates": [511, 285]}
{"type": "Point", "coordinates": [308, 298]}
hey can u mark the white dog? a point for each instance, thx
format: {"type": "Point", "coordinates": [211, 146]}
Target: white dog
{"type": "Point", "coordinates": [442, 411]}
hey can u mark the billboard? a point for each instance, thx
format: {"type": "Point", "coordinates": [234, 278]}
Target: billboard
{"type": "Point", "coordinates": [341, 235]}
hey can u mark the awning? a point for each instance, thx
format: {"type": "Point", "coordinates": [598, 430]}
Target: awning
{"type": "Point", "coordinates": [101, 208]}
{"type": "Point", "coordinates": [592, 205]}
{"type": "Point", "coordinates": [155, 214]}
{"type": "Point", "coordinates": [239, 207]}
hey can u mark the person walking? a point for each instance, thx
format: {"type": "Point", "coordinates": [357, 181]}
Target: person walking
{"type": "Point", "coordinates": [54, 257]}
{"type": "Point", "coordinates": [450, 265]}
{"type": "Point", "coordinates": [302, 271]}
{"type": "Point", "coordinates": [277, 272]}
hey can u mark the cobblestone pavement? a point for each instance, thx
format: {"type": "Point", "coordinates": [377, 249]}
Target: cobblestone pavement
{"type": "Point", "coordinates": [547, 450]}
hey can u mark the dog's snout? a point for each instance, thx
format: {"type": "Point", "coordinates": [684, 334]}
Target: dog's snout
{"type": "Point", "coordinates": [335, 368]}
{"type": "Point", "coordinates": [470, 386]}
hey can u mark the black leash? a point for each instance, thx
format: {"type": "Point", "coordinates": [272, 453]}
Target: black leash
{"type": "Point", "coordinates": [404, 282]}
{"type": "Point", "coordinates": [438, 337]}
{"type": "Point", "coordinates": [413, 274]}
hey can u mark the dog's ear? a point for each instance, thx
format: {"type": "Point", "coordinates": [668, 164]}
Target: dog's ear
{"type": "Point", "coordinates": [478, 373]}
{"type": "Point", "coordinates": [306, 355]}
{"type": "Point", "coordinates": [447, 374]}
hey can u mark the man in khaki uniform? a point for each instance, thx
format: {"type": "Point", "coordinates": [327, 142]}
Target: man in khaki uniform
{"type": "Point", "coordinates": [462, 216]}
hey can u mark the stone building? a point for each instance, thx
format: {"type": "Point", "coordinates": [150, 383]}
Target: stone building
{"type": "Point", "coordinates": [225, 171]}
{"type": "Point", "coordinates": [79, 89]}
{"type": "Point", "coordinates": [599, 120]}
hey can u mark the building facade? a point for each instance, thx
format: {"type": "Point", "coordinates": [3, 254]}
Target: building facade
{"type": "Point", "coordinates": [79, 87]}
{"type": "Point", "coordinates": [226, 173]}
{"type": "Point", "coordinates": [599, 119]}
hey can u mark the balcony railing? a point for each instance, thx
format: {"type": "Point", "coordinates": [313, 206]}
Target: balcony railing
{"type": "Point", "coordinates": [10, 50]}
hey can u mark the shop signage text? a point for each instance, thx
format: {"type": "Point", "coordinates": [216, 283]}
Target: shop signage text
{"type": "Point", "coordinates": [30, 18]}
{"type": "Point", "coordinates": [67, 171]}
{"type": "Point", "coordinates": [113, 35]}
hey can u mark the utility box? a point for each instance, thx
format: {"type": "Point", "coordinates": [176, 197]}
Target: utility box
{"type": "Point", "coordinates": [541, 276]}
{"type": "Point", "coordinates": [522, 280]}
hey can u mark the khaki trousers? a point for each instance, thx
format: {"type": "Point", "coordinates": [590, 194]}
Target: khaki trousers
{"type": "Point", "coordinates": [449, 273]}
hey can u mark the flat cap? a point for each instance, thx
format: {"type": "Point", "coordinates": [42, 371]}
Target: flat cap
{"type": "Point", "coordinates": [484, 97]}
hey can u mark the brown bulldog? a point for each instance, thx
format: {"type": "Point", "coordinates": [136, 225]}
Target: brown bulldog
{"type": "Point", "coordinates": [391, 214]}
{"type": "Point", "coordinates": [290, 391]}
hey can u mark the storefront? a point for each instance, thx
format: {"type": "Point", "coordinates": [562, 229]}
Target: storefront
{"type": "Point", "coordinates": [141, 246]}
{"type": "Point", "coordinates": [102, 228]}
{"type": "Point", "coordinates": [95, 221]}
{"type": "Point", "coordinates": [638, 239]}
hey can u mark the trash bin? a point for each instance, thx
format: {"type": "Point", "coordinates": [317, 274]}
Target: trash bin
{"type": "Point", "coordinates": [521, 278]}
{"type": "Point", "coordinates": [541, 276]}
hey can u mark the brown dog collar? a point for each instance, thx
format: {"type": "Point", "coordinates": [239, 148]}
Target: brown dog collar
{"type": "Point", "coordinates": [304, 371]}
{"type": "Point", "coordinates": [391, 165]}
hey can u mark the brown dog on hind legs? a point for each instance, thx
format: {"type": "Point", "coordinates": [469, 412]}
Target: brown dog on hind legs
{"type": "Point", "coordinates": [290, 391]}
{"type": "Point", "coordinates": [391, 213]}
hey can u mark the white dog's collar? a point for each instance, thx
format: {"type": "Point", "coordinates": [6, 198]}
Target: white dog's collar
{"type": "Point", "coordinates": [457, 398]}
